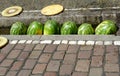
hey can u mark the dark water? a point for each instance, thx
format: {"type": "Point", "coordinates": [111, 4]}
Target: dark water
{"type": "Point", "coordinates": [4, 31]}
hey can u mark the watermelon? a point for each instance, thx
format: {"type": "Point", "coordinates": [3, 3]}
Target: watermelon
{"type": "Point", "coordinates": [68, 28]}
{"type": "Point", "coordinates": [106, 27]}
{"type": "Point", "coordinates": [85, 29]}
{"type": "Point", "coordinates": [51, 27]}
{"type": "Point", "coordinates": [35, 28]}
{"type": "Point", "coordinates": [18, 28]}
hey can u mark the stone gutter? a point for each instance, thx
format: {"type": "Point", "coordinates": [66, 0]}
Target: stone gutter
{"type": "Point", "coordinates": [92, 11]}
{"type": "Point", "coordinates": [64, 37]}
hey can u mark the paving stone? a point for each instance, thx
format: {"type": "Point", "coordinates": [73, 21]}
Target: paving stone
{"type": "Point", "coordinates": [99, 43]}
{"type": "Point", "coordinates": [69, 59]}
{"type": "Point", "coordinates": [73, 48]}
{"type": "Point", "coordinates": [79, 74]}
{"type": "Point", "coordinates": [7, 48]}
{"type": "Point", "coordinates": [2, 56]}
{"type": "Point", "coordinates": [53, 66]}
{"type": "Point", "coordinates": [111, 58]}
{"type": "Point", "coordinates": [59, 59]}
{"type": "Point", "coordinates": [11, 73]}
{"type": "Point", "coordinates": [99, 50]}
{"type": "Point", "coordinates": [23, 55]}
{"type": "Point", "coordinates": [111, 48]}
{"type": "Point", "coordinates": [119, 50]}
{"type": "Point", "coordinates": [50, 74]}
{"type": "Point", "coordinates": [19, 46]}
{"type": "Point", "coordinates": [72, 42]}
{"type": "Point", "coordinates": [44, 58]}
{"type": "Point", "coordinates": [24, 73]}
{"type": "Point", "coordinates": [14, 42]}
{"type": "Point", "coordinates": [50, 48]}
{"type": "Point", "coordinates": [16, 65]}
{"type": "Point", "coordinates": [111, 68]}
{"type": "Point", "coordinates": [112, 74]}
{"type": "Point", "coordinates": [46, 42]}
{"type": "Point", "coordinates": [90, 42]}
{"type": "Point", "coordinates": [6, 63]}
{"type": "Point", "coordinates": [35, 54]}
{"type": "Point", "coordinates": [3, 71]}
{"type": "Point", "coordinates": [28, 41]}
{"type": "Point", "coordinates": [39, 68]}
{"type": "Point", "coordinates": [108, 42]}
{"type": "Point", "coordinates": [84, 54]}
{"type": "Point", "coordinates": [21, 41]}
{"type": "Point", "coordinates": [66, 70]}
{"type": "Point", "coordinates": [82, 65]}
{"type": "Point", "coordinates": [64, 42]}
{"type": "Point", "coordinates": [39, 47]}
{"type": "Point", "coordinates": [62, 47]}
{"type": "Point", "coordinates": [116, 42]}
{"type": "Point", "coordinates": [29, 64]}
{"type": "Point", "coordinates": [57, 42]}
{"type": "Point", "coordinates": [13, 54]}
{"type": "Point", "coordinates": [96, 72]}
{"type": "Point", "coordinates": [29, 47]}
{"type": "Point", "coordinates": [97, 61]}
{"type": "Point", "coordinates": [81, 42]}
{"type": "Point", "coordinates": [86, 47]}
{"type": "Point", "coordinates": [58, 55]}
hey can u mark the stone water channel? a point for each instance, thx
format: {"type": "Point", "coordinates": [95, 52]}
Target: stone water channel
{"type": "Point", "coordinates": [92, 11]}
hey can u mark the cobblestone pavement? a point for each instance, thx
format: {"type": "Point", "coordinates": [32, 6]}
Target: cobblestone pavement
{"type": "Point", "coordinates": [60, 58]}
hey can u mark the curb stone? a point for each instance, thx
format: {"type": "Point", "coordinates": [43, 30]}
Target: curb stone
{"type": "Point", "coordinates": [65, 39]}
{"type": "Point", "coordinates": [64, 42]}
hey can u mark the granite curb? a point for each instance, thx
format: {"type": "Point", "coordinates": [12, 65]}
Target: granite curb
{"type": "Point", "coordinates": [64, 39]}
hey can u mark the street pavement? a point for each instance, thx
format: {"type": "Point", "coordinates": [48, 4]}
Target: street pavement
{"type": "Point", "coordinates": [59, 57]}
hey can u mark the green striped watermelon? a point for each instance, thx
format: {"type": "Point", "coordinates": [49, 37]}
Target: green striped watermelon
{"type": "Point", "coordinates": [106, 27]}
{"type": "Point", "coordinates": [85, 29]}
{"type": "Point", "coordinates": [68, 28]}
{"type": "Point", "coordinates": [18, 28]}
{"type": "Point", "coordinates": [51, 27]}
{"type": "Point", "coordinates": [35, 28]}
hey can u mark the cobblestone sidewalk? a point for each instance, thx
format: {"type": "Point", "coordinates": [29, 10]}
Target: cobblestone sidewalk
{"type": "Point", "coordinates": [59, 60]}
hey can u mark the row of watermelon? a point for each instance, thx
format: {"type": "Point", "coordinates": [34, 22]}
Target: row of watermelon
{"type": "Point", "coordinates": [52, 27]}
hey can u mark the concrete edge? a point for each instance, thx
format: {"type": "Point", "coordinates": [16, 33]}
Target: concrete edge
{"type": "Point", "coordinates": [92, 15]}
{"type": "Point", "coordinates": [64, 37]}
